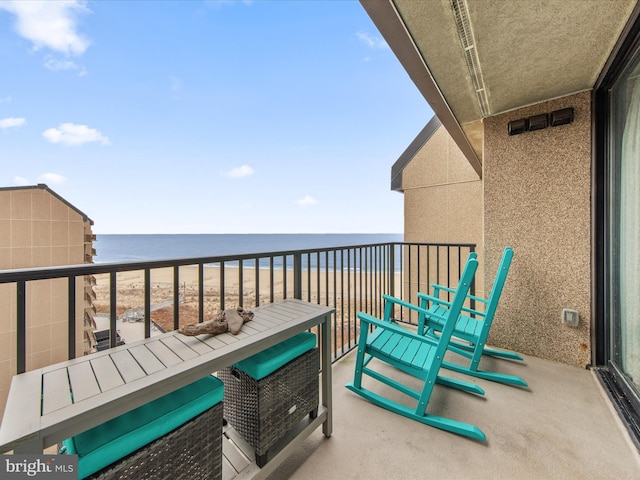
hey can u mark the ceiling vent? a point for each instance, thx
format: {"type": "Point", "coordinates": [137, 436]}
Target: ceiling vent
{"type": "Point", "coordinates": [461, 15]}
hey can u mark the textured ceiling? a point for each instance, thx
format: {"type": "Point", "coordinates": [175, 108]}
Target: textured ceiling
{"type": "Point", "coordinates": [528, 51]}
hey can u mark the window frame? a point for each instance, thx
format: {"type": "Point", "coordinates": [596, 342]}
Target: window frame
{"type": "Point", "coordinates": [623, 396]}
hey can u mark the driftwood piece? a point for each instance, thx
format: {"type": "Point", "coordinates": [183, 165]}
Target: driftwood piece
{"type": "Point", "coordinates": [216, 325]}
{"type": "Point", "coordinates": [236, 318]}
{"type": "Point", "coordinates": [230, 320]}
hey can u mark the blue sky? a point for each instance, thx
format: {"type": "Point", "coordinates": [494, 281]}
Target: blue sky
{"type": "Point", "coordinates": [207, 116]}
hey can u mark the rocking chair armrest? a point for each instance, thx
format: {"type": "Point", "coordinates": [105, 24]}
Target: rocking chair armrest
{"type": "Point", "coordinates": [371, 320]}
{"type": "Point", "coordinates": [474, 312]}
{"type": "Point", "coordinates": [478, 299]}
{"type": "Point", "coordinates": [425, 316]}
{"type": "Point", "coordinates": [437, 288]}
{"type": "Point", "coordinates": [440, 301]}
{"type": "Point", "coordinates": [432, 299]}
{"type": "Point", "coordinates": [398, 301]}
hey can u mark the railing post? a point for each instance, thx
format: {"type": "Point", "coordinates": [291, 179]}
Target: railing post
{"type": "Point", "coordinates": [21, 334]}
{"type": "Point", "coordinates": [223, 292]}
{"type": "Point", "coordinates": [201, 290]}
{"type": "Point", "coordinates": [392, 269]}
{"type": "Point", "coordinates": [284, 276]}
{"type": "Point", "coordinates": [240, 283]}
{"type": "Point", "coordinates": [257, 282]}
{"type": "Point", "coordinates": [113, 314]}
{"type": "Point", "coordinates": [297, 276]}
{"type": "Point", "coordinates": [72, 318]}
{"type": "Point", "coordinates": [147, 303]}
{"type": "Point", "coordinates": [176, 297]}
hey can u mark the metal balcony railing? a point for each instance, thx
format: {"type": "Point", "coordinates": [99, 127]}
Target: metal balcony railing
{"type": "Point", "coordinates": [348, 278]}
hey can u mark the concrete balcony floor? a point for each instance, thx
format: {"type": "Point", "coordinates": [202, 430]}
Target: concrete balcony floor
{"type": "Point", "coordinates": [561, 427]}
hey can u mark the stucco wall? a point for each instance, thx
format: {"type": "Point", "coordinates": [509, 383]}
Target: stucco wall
{"type": "Point", "coordinates": [537, 200]}
{"type": "Point", "coordinates": [443, 198]}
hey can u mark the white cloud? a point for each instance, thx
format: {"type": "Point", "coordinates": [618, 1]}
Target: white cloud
{"type": "Point", "coordinates": [306, 201]}
{"type": "Point", "coordinates": [52, 178]}
{"type": "Point", "coordinates": [12, 122]}
{"type": "Point", "coordinates": [73, 135]}
{"type": "Point", "coordinates": [239, 172]}
{"type": "Point", "coordinates": [55, 65]}
{"type": "Point", "coordinates": [49, 24]}
{"type": "Point", "coordinates": [20, 181]}
{"type": "Point", "coordinates": [372, 42]}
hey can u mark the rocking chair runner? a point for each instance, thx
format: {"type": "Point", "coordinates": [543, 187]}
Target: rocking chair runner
{"type": "Point", "coordinates": [418, 355]}
{"type": "Point", "coordinates": [471, 331]}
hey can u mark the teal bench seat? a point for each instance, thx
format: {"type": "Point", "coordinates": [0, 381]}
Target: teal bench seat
{"type": "Point", "coordinates": [266, 362]}
{"type": "Point", "coordinates": [102, 445]}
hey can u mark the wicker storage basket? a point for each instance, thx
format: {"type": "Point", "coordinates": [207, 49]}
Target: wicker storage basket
{"type": "Point", "coordinates": [191, 451]}
{"type": "Point", "coordinates": [263, 411]}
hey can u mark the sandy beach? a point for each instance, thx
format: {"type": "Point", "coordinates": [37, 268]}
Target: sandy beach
{"type": "Point", "coordinates": [347, 291]}
{"type": "Point", "coordinates": [130, 291]}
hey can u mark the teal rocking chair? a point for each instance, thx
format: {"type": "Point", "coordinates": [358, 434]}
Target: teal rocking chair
{"type": "Point", "coordinates": [472, 328]}
{"type": "Point", "coordinates": [418, 355]}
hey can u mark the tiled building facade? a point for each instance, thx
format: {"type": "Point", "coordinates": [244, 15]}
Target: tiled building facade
{"type": "Point", "coordinates": [38, 228]}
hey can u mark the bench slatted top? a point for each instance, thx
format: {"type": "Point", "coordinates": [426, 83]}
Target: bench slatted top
{"type": "Point", "coordinates": [84, 392]}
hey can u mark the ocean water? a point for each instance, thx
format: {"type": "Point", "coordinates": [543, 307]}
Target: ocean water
{"type": "Point", "coordinates": [127, 248]}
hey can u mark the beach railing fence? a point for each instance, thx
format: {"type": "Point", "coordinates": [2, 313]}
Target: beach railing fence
{"type": "Point", "coordinates": [348, 278]}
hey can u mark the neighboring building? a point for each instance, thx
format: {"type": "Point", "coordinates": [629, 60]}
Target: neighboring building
{"type": "Point", "coordinates": [442, 195]}
{"type": "Point", "coordinates": [543, 101]}
{"type": "Point", "coordinates": [38, 228]}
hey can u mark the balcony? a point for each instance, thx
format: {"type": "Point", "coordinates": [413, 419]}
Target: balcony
{"type": "Point", "coordinates": [562, 426]}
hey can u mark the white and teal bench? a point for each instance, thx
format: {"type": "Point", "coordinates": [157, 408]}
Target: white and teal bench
{"type": "Point", "coordinates": [48, 405]}
{"type": "Point", "coordinates": [178, 433]}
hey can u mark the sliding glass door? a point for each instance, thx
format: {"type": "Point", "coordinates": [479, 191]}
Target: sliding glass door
{"type": "Point", "coordinates": [624, 225]}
